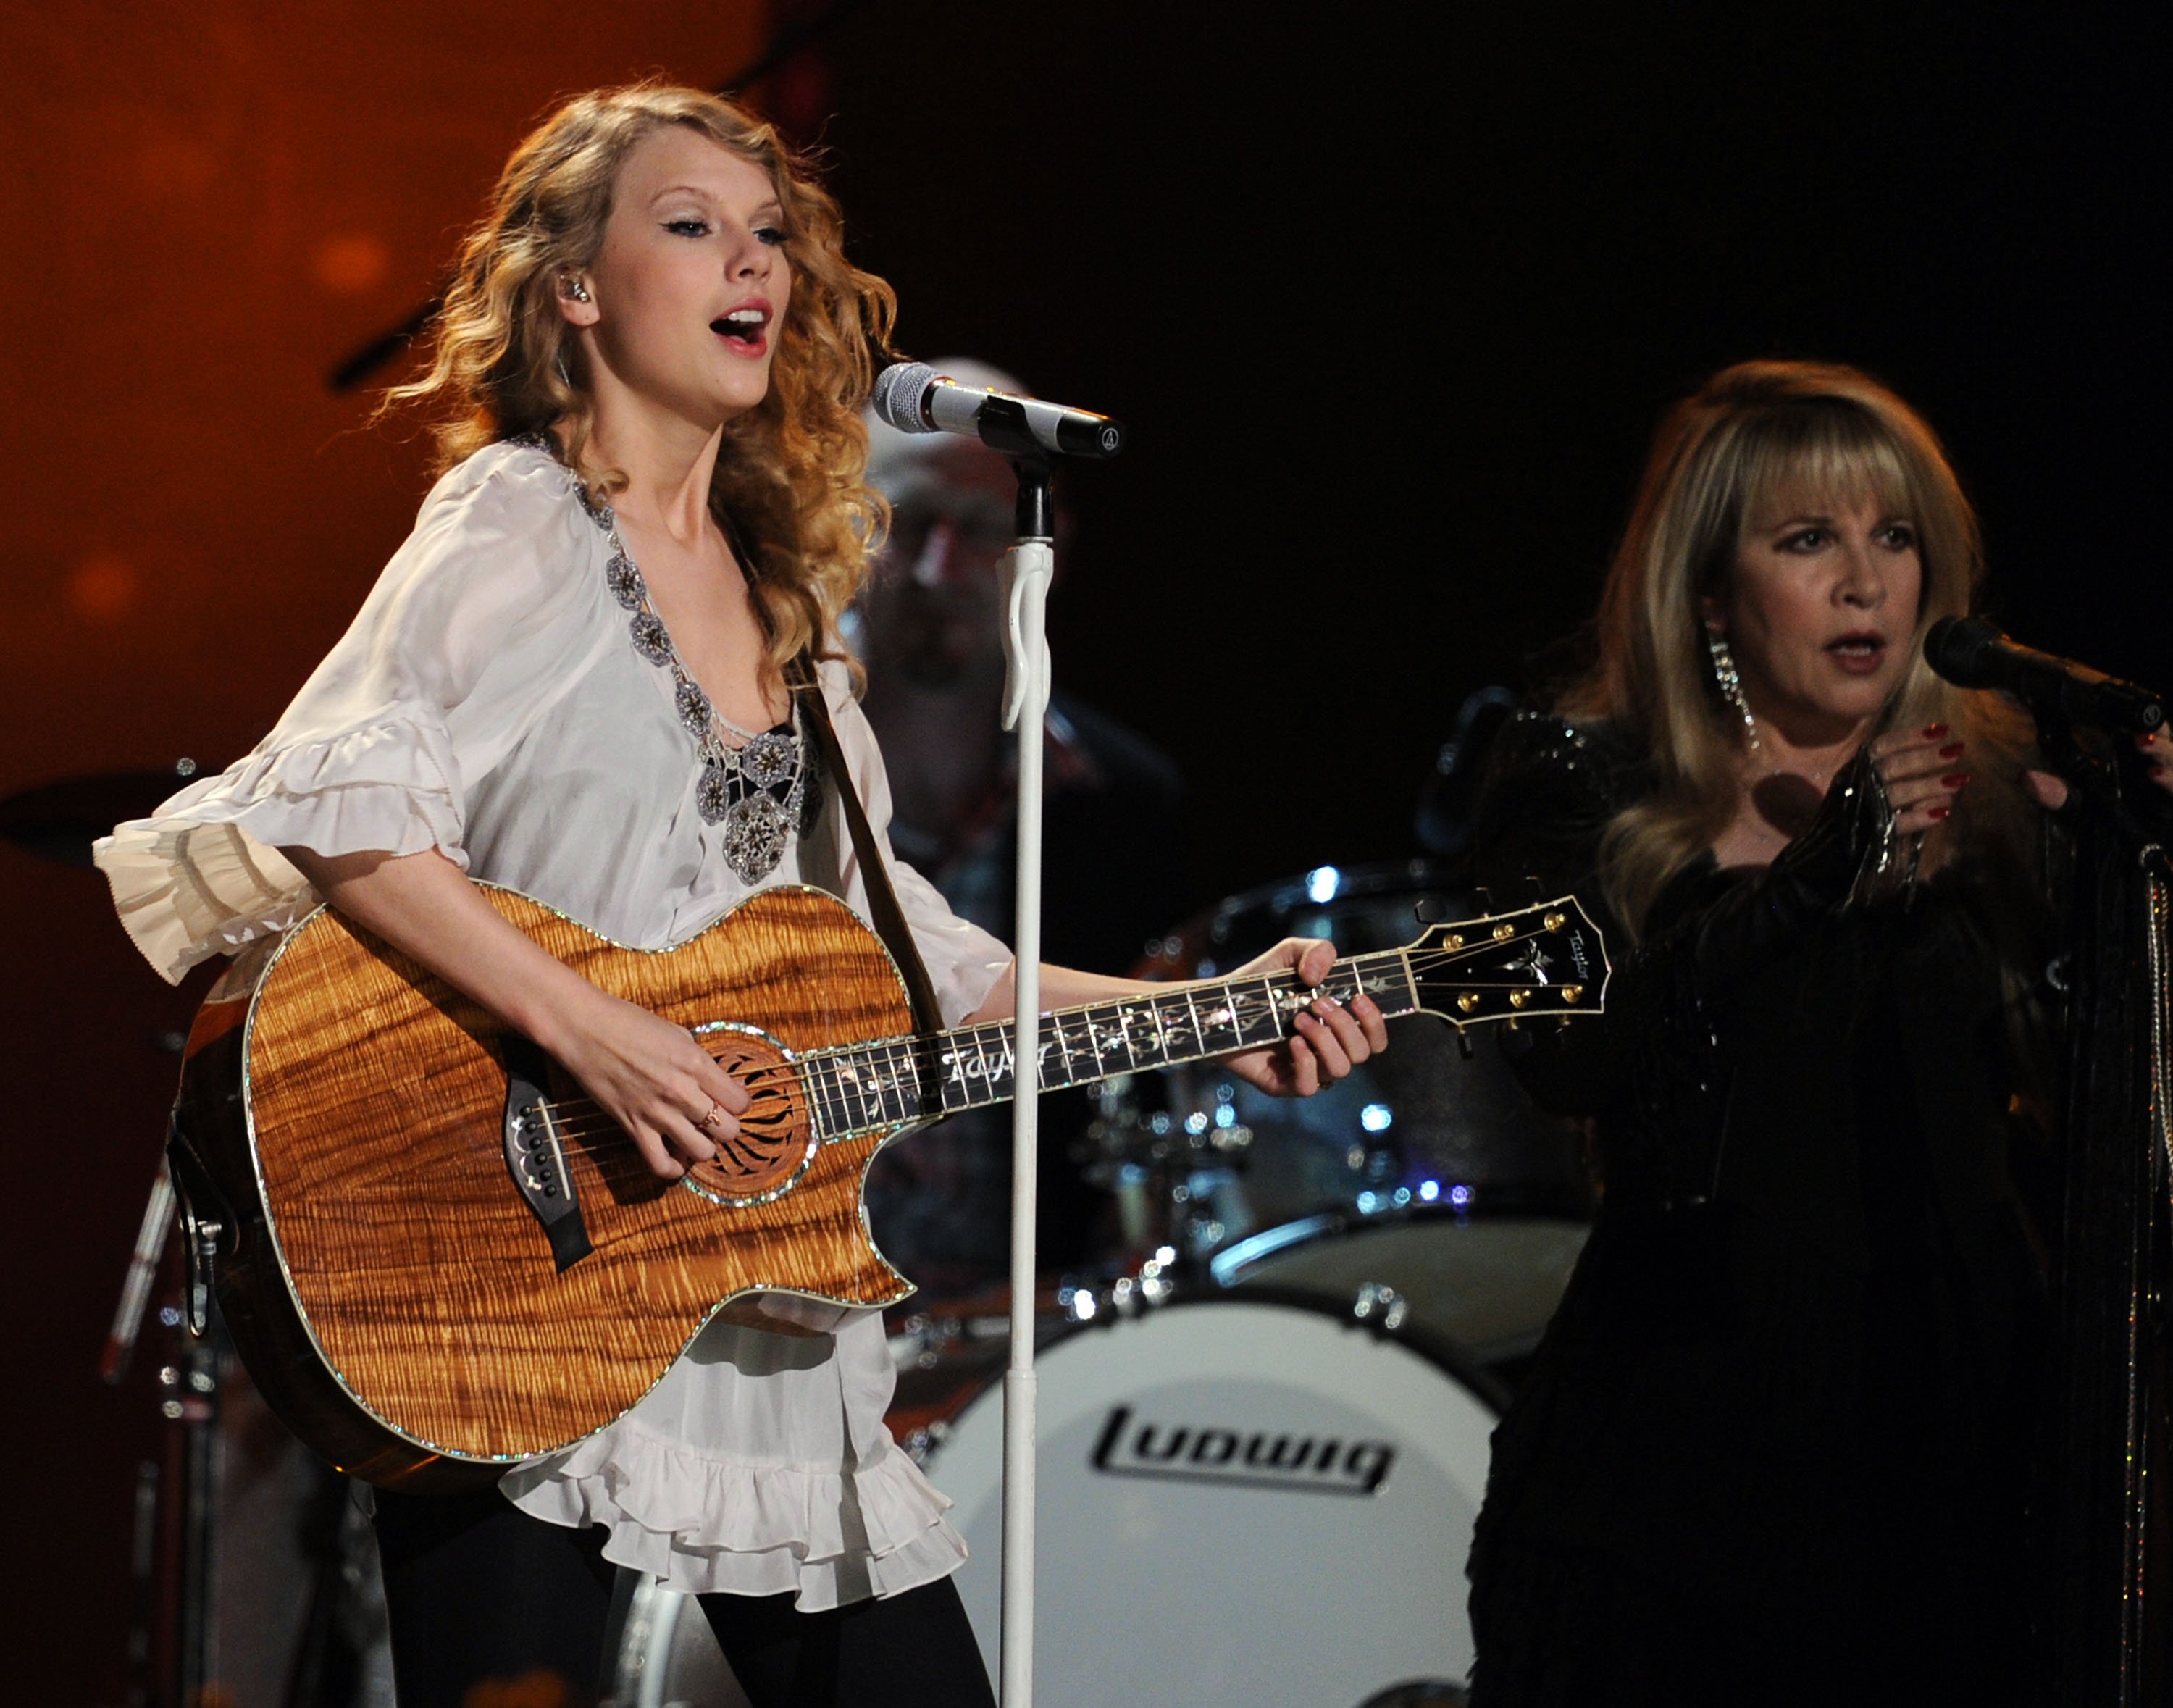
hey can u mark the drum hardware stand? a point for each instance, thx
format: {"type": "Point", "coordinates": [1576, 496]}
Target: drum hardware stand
{"type": "Point", "coordinates": [142, 1271]}
{"type": "Point", "coordinates": [1160, 1168]}
{"type": "Point", "coordinates": [189, 1390]}
{"type": "Point", "coordinates": [174, 1384]}
{"type": "Point", "coordinates": [195, 1409]}
{"type": "Point", "coordinates": [188, 1387]}
{"type": "Point", "coordinates": [1027, 569]}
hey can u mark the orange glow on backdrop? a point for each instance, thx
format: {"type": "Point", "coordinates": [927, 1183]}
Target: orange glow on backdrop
{"type": "Point", "coordinates": [204, 209]}
{"type": "Point", "coordinates": [207, 208]}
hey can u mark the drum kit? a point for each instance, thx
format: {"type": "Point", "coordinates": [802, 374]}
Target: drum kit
{"type": "Point", "coordinates": [1264, 1422]}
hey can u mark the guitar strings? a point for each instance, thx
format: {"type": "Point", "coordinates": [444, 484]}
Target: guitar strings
{"type": "Point", "coordinates": [1250, 1007]}
{"type": "Point", "coordinates": [1247, 1006]}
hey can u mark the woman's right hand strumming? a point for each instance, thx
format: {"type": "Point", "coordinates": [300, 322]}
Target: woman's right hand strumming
{"type": "Point", "coordinates": [648, 1075]}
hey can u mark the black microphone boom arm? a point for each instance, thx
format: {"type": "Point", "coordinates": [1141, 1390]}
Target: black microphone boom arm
{"type": "Point", "coordinates": [1971, 653]}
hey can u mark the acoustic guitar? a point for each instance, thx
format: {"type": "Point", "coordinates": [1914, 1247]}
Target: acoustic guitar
{"type": "Point", "coordinates": [436, 1257]}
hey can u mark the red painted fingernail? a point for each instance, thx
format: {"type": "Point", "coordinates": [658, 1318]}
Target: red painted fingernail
{"type": "Point", "coordinates": [1937, 813]}
{"type": "Point", "coordinates": [1953, 750]}
{"type": "Point", "coordinates": [1934, 731]}
{"type": "Point", "coordinates": [1954, 779]}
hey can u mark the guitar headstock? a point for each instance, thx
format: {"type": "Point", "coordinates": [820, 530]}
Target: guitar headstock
{"type": "Point", "coordinates": [1545, 960]}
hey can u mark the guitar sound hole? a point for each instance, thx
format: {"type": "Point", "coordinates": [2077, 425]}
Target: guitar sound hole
{"type": "Point", "coordinates": [772, 1141]}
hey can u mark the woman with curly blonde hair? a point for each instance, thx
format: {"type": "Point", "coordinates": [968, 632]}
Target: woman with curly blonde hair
{"type": "Point", "coordinates": [511, 361]}
{"type": "Point", "coordinates": [586, 676]}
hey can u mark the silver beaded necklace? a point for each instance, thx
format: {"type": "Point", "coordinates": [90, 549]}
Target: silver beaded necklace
{"type": "Point", "coordinates": [755, 787]}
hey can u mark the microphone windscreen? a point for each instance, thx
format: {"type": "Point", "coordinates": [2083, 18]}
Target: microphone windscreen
{"type": "Point", "coordinates": [901, 396]}
{"type": "Point", "coordinates": [1957, 648]}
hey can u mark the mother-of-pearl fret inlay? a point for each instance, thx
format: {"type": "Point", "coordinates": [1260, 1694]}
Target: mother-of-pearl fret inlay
{"type": "Point", "coordinates": [858, 1088]}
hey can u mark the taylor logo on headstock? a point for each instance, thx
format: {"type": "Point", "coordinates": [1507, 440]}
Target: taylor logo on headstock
{"type": "Point", "coordinates": [1546, 959]}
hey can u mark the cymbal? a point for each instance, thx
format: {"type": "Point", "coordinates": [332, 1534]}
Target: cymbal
{"type": "Point", "coordinates": [59, 821]}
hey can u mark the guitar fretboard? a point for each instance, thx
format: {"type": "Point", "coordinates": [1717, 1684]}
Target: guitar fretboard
{"type": "Point", "coordinates": [863, 1087]}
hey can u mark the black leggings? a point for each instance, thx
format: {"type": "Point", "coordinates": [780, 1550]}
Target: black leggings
{"type": "Point", "coordinates": [476, 1590]}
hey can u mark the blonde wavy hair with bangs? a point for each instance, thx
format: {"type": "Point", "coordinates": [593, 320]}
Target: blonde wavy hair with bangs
{"type": "Point", "coordinates": [789, 487]}
{"type": "Point", "coordinates": [1758, 436]}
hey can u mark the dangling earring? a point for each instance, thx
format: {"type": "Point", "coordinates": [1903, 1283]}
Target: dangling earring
{"type": "Point", "coordinates": [1731, 684]}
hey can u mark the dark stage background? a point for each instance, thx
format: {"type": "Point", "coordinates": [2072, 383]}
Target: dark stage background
{"type": "Point", "coordinates": [1389, 306]}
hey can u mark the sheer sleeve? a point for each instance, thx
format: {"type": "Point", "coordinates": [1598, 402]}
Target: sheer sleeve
{"type": "Point", "coordinates": [963, 961]}
{"type": "Point", "coordinates": [472, 629]}
{"type": "Point", "coordinates": [1657, 1067]}
{"type": "Point", "coordinates": [1551, 789]}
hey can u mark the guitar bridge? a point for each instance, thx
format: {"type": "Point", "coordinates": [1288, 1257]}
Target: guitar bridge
{"type": "Point", "coordinates": [535, 1155]}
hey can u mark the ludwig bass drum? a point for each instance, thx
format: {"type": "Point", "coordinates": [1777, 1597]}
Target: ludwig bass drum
{"type": "Point", "coordinates": [1243, 1500]}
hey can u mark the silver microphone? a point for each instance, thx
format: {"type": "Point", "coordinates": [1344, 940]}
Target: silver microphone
{"type": "Point", "coordinates": [913, 397]}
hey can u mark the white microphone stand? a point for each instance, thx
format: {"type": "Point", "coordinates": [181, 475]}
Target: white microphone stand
{"type": "Point", "coordinates": [1026, 571]}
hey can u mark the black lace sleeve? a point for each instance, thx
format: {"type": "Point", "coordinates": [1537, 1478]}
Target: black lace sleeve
{"type": "Point", "coordinates": [1551, 789]}
{"type": "Point", "coordinates": [1654, 1069]}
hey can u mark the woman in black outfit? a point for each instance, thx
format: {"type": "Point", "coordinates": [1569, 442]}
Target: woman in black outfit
{"type": "Point", "coordinates": [1782, 1441]}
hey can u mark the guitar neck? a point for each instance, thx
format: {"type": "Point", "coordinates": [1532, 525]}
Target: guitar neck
{"type": "Point", "coordinates": [860, 1087]}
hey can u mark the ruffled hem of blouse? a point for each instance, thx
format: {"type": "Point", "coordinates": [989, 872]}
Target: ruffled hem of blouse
{"type": "Point", "coordinates": [203, 876]}
{"type": "Point", "coordinates": [706, 1525]}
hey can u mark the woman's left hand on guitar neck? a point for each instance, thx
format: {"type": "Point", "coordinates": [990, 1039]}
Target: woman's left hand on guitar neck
{"type": "Point", "coordinates": [1331, 1038]}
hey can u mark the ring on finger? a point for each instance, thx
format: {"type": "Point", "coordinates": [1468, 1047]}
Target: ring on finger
{"type": "Point", "coordinates": [708, 1123]}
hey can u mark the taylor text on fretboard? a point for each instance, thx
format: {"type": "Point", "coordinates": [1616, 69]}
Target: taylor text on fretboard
{"type": "Point", "coordinates": [895, 1081]}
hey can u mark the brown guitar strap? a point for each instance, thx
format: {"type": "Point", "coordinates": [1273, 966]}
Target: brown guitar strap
{"type": "Point", "coordinates": [875, 872]}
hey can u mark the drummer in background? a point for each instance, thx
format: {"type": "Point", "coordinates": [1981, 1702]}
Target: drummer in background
{"type": "Point", "coordinates": [929, 629]}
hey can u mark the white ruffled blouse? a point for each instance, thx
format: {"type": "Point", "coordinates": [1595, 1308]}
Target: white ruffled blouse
{"type": "Point", "coordinates": [488, 701]}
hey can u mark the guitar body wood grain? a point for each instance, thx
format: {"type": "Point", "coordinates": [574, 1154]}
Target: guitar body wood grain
{"type": "Point", "coordinates": [393, 1285]}
{"type": "Point", "coordinates": [375, 1095]}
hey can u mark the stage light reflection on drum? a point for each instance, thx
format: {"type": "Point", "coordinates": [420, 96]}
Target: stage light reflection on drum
{"type": "Point", "coordinates": [1207, 1168]}
{"type": "Point", "coordinates": [1419, 1113]}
